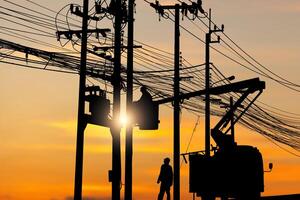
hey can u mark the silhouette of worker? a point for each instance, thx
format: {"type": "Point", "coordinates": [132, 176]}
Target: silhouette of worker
{"type": "Point", "coordinates": [146, 96]}
{"type": "Point", "coordinates": [165, 179]}
{"type": "Point", "coordinates": [143, 106]}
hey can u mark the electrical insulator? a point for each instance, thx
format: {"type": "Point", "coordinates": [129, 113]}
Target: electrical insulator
{"type": "Point", "coordinates": [98, 7]}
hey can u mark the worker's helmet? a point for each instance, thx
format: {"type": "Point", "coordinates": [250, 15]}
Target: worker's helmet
{"type": "Point", "coordinates": [143, 89]}
{"type": "Point", "coordinates": [167, 160]}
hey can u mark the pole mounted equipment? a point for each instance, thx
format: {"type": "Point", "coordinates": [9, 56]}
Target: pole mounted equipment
{"type": "Point", "coordinates": [76, 10]}
{"type": "Point", "coordinates": [99, 107]}
{"type": "Point", "coordinates": [69, 34]}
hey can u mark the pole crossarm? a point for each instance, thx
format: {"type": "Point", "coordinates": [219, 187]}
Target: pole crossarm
{"type": "Point", "coordinates": [106, 48]}
{"type": "Point", "coordinates": [233, 87]}
{"type": "Point", "coordinates": [68, 34]}
{"type": "Point", "coordinates": [192, 8]}
{"type": "Point", "coordinates": [102, 55]}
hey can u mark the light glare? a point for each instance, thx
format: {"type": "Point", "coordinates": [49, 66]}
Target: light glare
{"type": "Point", "coordinates": [123, 120]}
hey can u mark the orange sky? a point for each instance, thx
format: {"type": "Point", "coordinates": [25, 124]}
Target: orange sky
{"type": "Point", "coordinates": [39, 110]}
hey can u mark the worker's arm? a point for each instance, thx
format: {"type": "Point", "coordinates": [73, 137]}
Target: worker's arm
{"type": "Point", "coordinates": [159, 177]}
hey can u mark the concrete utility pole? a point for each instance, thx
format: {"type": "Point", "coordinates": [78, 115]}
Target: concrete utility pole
{"type": "Point", "coordinates": [176, 112]}
{"type": "Point", "coordinates": [176, 105]}
{"type": "Point", "coordinates": [116, 127]}
{"type": "Point", "coordinates": [81, 124]}
{"type": "Point", "coordinates": [176, 117]}
{"type": "Point", "coordinates": [208, 41]}
{"type": "Point", "coordinates": [129, 99]}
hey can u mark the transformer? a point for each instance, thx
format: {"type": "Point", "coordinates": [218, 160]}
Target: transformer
{"type": "Point", "coordinates": [237, 173]}
{"type": "Point", "coordinates": [99, 106]}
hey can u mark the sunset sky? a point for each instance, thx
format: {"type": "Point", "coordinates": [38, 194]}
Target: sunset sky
{"type": "Point", "coordinates": [39, 108]}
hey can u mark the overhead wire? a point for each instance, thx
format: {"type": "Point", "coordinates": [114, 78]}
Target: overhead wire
{"type": "Point", "coordinates": [146, 56]}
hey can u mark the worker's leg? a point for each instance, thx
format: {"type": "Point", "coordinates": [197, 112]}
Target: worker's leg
{"type": "Point", "coordinates": [161, 193]}
{"type": "Point", "coordinates": [168, 193]}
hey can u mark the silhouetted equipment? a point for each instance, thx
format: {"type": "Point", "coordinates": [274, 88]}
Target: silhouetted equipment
{"type": "Point", "coordinates": [146, 111]}
{"type": "Point", "coordinates": [270, 167]}
{"type": "Point", "coordinates": [76, 10]}
{"type": "Point", "coordinates": [234, 171]}
{"type": "Point", "coordinates": [99, 106]}
{"type": "Point", "coordinates": [239, 87]}
{"type": "Point", "coordinates": [69, 34]}
{"type": "Point", "coordinates": [111, 9]}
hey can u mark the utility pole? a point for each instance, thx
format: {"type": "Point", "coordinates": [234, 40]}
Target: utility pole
{"type": "Point", "coordinates": [129, 99]}
{"type": "Point", "coordinates": [115, 8]}
{"type": "Point", "coordinates": [116, 128]}
{"type": "Point", "coordinates": [195, 7]}
{"type": "Point", "coordinates": [82, 119]}
{"type": "Point", "coordinates": [81, 124]}
{"type": "Point", "coordinates": [176, 117]}
{"type": "Point", "coordinates": [208, 41]}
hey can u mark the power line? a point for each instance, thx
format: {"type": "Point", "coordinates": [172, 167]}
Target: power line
{"type": "Point", "coordinates": [270, 124]}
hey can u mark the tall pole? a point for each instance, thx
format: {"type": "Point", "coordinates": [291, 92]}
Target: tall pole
{"type": "Point", "coordinates": [207, 86]}
{"type": "Point", "coordinates": [176, 112]}
{"type": "Point", "coordinates": [116, 128]}
{"type": "Point", "coordinates": [129, 99]}
{"type": "Point", "coordinates": [208, 41]}
{"type": "Point", "coordinates": [81, 124]}
{"type": "Point", "coordinates": [176, 124]}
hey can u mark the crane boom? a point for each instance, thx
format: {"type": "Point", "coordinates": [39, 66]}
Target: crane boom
{"type": "Point", "coordinates": [234, 170]}
{"type": "Point", "coordinates": [240, 86]}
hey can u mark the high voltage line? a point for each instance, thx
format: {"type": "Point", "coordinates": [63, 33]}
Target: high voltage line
{"type": "Point", "coordinates": [256, 70]}
{"type": "Point", "coordinates": [155, 71]}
